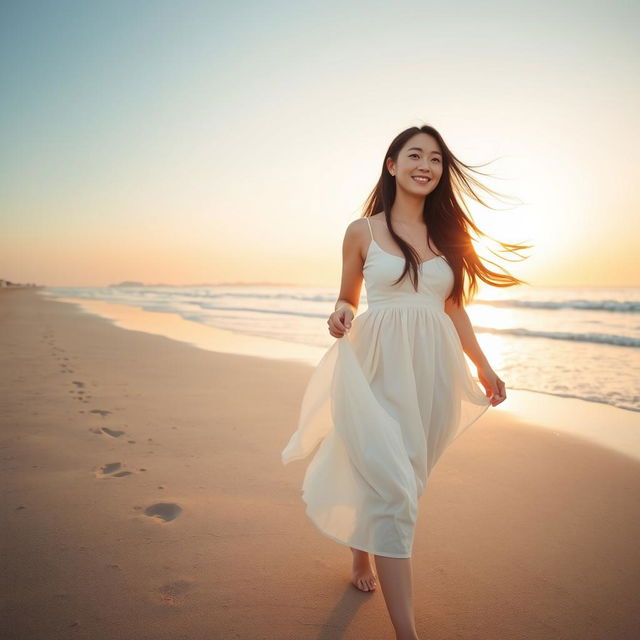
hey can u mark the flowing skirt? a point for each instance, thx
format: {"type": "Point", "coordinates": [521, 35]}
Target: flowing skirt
{"type": "Point", "coordinates": [384, 403]}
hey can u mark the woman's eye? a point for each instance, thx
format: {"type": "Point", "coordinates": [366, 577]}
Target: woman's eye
{"type": "Point", "coordinates": [414, 155]}
{"type": "Point", "coordinates": [437, 159]}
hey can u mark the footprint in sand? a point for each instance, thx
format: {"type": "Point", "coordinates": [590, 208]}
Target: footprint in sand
{"type": "Point", "coordinates": [166, 511]}
{"type": "Point", "coordinates": [102, 412]}
{"type": "Point", "coordinates": [114, 433]}
{"type": "Point", "coordinates": [172, 592]}
{"type": "Point", "coordinates": [110, 469]}
{"type": "Point", "coordinates": [82, 396]}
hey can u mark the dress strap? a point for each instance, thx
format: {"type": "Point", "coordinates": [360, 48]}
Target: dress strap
{"type": "Point", "coordinates": [369, 223]}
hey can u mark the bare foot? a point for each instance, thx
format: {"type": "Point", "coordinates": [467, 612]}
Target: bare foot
{"type": "Point", "coordinates": [362, 575]}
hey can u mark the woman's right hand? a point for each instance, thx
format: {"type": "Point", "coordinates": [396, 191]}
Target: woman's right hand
{"type": "Point", "coordinates": [340, 321]}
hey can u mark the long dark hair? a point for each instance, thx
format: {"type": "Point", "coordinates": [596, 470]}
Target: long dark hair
{"type": "Point", "coordinates": [447, 218]}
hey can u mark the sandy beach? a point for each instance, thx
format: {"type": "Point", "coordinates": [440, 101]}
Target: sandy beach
{"type": "Point", "coordinates": [143, 497]}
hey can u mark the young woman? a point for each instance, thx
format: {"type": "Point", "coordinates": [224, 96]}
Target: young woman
{"type": "Point", "coordinates": [394, 391]}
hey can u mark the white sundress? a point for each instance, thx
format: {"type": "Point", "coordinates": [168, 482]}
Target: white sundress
{"type": "Point", "coordinates": [384, 402]}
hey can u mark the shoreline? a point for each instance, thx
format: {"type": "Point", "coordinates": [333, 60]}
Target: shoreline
{"type": "Point", "coordinates": [569, 415]}
{"type": "Point", "coordinates": [174, 326]}
{"type": "Point", "coordinates": [144, 497]}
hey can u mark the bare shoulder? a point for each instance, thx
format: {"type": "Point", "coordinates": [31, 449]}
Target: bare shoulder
{"type": "Point", "coordinates": [360, 226]}
{"type": "Point", "coordinates": [378, 220]}
{"type": "Point", "coordinates": [355, 237]}
{"type": "Point", "coordinates": [357, 230]}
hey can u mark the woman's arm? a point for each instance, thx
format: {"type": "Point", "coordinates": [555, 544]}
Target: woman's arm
{"type": "Point", "coordinates": [462, 323]}
{"type": "Point", "coordinates": [494, 386]}
{"type": "Point", "coordinates": [352, 264]}
{"type": "Point", "coordinates": [352, 277]}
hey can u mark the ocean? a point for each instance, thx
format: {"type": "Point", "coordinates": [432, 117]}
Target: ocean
{"type": "Point", "coordinates": [571, 342]}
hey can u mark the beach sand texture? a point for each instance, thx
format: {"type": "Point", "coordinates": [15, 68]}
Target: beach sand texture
{"type": "Point", "coordinates": [143, 497]}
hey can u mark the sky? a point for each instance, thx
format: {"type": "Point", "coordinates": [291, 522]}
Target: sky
{"type": "Point", "coordinates": [203, 142]}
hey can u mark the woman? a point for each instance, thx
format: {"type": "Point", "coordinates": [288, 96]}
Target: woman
{"type": "Point", "coordinates": [385, 401]}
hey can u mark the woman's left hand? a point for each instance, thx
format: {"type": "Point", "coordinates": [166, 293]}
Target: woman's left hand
{"type": "Point", "coordinates": [493, 385]}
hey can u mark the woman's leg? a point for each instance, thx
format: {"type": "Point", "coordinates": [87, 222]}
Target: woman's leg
{"type": "Point", "coordinates": [395, 576]}
{"type": "Point", "coordinates": [362, 575]}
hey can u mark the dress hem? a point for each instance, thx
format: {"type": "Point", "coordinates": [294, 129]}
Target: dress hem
{"type": "Point", "coordinates": [469, 424]}
{"type": "Point", "coordinates": [349, 544]}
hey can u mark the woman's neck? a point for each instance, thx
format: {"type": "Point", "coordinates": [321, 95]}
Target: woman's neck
{"type": "Point", "coordinates": [407, 210]}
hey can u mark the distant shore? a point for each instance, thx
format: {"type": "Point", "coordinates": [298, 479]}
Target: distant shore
{"type": "Point", "coordinates": [10, 286]}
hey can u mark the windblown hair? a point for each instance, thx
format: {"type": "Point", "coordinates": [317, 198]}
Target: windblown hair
{"type": "Point", "coordinates": [447, 218]}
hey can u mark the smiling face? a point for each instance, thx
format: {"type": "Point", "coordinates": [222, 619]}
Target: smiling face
{"type": "Point", "coordinates": [419, 165]}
